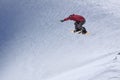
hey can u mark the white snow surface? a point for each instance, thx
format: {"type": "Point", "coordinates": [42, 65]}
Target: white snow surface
{"type": "Point", "coordinates": [44, 48]}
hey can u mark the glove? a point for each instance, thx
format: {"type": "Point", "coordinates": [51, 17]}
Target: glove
{"type": "Point", "coordinates": [61, 20]}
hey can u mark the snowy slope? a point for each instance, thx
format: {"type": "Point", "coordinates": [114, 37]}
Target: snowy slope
{"type": "Point", "coordinates": [35, 45]}
{"type": "Point", "coordinates": [102, 68]}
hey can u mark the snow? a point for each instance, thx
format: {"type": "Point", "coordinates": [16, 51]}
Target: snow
{"type": "Point", "coordinates": [35, 45]}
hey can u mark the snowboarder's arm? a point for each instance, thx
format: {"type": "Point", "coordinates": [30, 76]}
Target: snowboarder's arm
{"type": "Point", "coordinates": [66, 19]}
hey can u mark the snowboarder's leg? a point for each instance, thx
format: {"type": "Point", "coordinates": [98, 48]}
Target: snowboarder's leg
{"type": "Point", "coordinates": [80, 24]}
{"type": "Point", "coordinates": [81, 28]}
{"type": "Point", "coordinates": [84, 31]}
{"type": "Point", "coordinates": [77, 26]}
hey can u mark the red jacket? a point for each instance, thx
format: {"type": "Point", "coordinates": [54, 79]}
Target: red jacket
{"type": "Point", "coordinates": [75, 17]}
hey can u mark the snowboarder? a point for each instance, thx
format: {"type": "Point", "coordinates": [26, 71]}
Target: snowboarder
{"type": "Point", "coordinates": [79, 21]}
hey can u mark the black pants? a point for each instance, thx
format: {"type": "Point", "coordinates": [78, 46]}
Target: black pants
{"type": "Point", "coordinates": [78, 25]}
